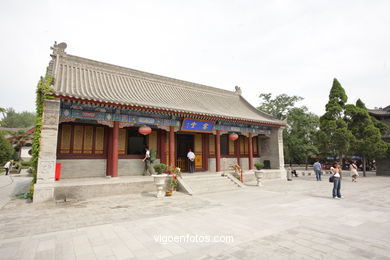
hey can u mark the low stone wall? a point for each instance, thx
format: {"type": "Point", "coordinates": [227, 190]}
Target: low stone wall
{"type": "Point", "coordinates": [86, 168]}
{"type": "Point", "coordinates": [132, 167]}
{"type": "Point", "coordinates": [82, 168]}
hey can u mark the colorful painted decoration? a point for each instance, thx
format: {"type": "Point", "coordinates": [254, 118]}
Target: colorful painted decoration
{"type": "Point", "coordinates": [196, 125]}
{"type": "Point", "coordinates": [233, 136]}
{"type": "Point", "coordinates": [144, 130]}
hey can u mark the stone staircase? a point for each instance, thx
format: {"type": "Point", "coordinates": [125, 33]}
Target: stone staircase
{"type": "Point", "coordinates": [209, 183]}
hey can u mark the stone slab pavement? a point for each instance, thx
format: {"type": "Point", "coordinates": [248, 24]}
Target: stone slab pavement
{"type": "Point", "coordinates": [281, 220]}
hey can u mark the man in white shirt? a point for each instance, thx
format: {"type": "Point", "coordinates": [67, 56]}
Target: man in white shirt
{"type": "Point", "coordinates": [148, 164]}
{"type": "Point", "coordinates": [8, 167]}
{"type": "Point", "coordinates": [191, 160]}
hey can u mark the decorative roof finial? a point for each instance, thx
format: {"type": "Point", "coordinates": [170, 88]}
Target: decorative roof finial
{"type": "Point", "coordinates": [59, 49]}
{"type": "Point", "coordinates": [238, 90]}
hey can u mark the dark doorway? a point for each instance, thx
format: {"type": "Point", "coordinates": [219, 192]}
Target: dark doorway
{"type": "Point", "coordinates": [184, 142]}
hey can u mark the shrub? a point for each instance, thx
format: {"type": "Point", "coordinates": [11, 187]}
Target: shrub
{"type": "Point", "coordinates": [159, 168]}
{"type": "Point", "coordinates": [259, 165]}
{"type": "Point", "coordinates": [6, 150]}
{"type": "Point", "coordinates": [31, 191]}
{"type": "Point", "coordinates": [29, 163]}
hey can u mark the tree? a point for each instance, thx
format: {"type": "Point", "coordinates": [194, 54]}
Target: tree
{"type": "Point", "coordinates": [278, 107]}
{"type": "Point", "coordinates": [334, 137]}
{"type": "Point", "coordinates": [6, 150]}
{"type": "Point", "coordinates": [13, 119]}
{"type": "Point", "coordinates": [368, 142]}
{"type": "Point", "coordinates": [300, 135]}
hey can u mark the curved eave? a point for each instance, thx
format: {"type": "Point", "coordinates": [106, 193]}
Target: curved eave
{"type": "Point", "coordinates": [168, 111]}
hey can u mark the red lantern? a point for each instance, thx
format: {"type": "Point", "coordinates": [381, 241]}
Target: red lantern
{"type": "Point", "coordinates": [144, 130]}
{"type": "Point", "coordinates": [233, 136]}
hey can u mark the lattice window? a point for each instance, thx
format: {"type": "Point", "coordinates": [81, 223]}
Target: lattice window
{"type": "Point", "coordinates": [79, 139]}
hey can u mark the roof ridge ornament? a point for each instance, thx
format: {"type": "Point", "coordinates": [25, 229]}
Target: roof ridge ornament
{"type": "Point", "coordinates": [59, 49]}
{"type": "Point", "coordinates": [238, 90]}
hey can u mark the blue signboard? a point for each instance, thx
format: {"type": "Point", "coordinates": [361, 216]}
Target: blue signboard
{"type": "Point", "coordinates": [197, 125]}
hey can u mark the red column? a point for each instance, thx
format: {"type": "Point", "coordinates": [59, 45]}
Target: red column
{"type": "Point", "coordinates": [237, 143]}
{"type": "Point", "coordinates": [115, 141]}
{"type": "Point", "coordinates": [163, 151]}
{"type": "Point", "coordinates": [109, 153]}
{"type": "Point", "coordinates": [172, 145]}
{"type": "Point", "coordinates": [250, 151]}
{"type": "Point", "coordinates": [218, 151]}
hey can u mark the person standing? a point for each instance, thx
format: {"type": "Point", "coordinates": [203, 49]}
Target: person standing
{"type": "Point", "coordinates": [317, 169]}
{"type": "Point", "coordinates": [354, 173]}
{"type": "Point", "coordinates": [8, 167]}
{"type": "Point", "coordinates": [148, 163]}
{"type": "Point", "coordinates": [337, 182]}
{"type": "Point", "coordinates": [191, 160]}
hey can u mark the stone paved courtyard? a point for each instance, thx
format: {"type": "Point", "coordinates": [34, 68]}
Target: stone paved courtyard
{"type": "Point", "coordinates": [281, 220]}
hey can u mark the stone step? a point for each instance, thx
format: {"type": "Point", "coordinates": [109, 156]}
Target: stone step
{"type": "Point", "coordinates": [215, 189]}
{"type": "Point", "coordinates": [210, 184]}
{"type": "Point", "coordinates": [208, 181]}
{"type": "Point", "coordinates": [79, 192]}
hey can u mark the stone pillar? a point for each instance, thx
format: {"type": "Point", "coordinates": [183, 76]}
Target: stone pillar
{"type": "Point", "coordinates": [218, 151]}
{"type": "Point", "coordinates": [274, 151]}
{"type": "Point", "coordinates": [250, 144]}
{"type": "Point", "coordinates": [115, 152]}
{"type": "Point", "coordinates": [172, 145]}
{"type": "Point", "coordinates": [44, 188]}
{"type": "Point", "coordinates": [280, 148]}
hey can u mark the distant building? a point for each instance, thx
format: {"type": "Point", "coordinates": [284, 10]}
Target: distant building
{"type": "Point", "coordinates": [383, 114]}
{"type": "Point", "coordinates": [21, 140]}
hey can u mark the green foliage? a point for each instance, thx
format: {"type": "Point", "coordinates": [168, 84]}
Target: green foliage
{"type": "Point", "coordinates": [44, 91]}
{"type": "Point", "coordinates": [159, 168]}
{"type": "Point", "coordinates": [279, 106]}
{"type": "Point", "coordinates": [334, 137]}
{"type": "Point", "coordinates": [300, 135]}
{"type": "Point", "coordinates": [26, 163]}
{"type": "Point", "coordinates": [383, 128]}
{"type": "Point", "coordinates": [6, 150]}
{"type": "Point", "coordinates": [13, 119]}
{"type": "Point", "coordinates": [259, 165]}
{"type": "Point", "coordinates": [174, 183]}
{"type": "Point", "coordinates": [30, 194]}
{"type": "Point", "coordinates": [367, 141]}
{"type": "Point", "coordinates": [153, 155]}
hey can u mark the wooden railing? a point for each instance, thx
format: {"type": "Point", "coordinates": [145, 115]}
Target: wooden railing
{"type": "Point", "coordinates": [182, 163]}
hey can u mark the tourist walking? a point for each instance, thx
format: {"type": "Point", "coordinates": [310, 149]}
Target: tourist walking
{"type": "Point", "coordinates": [148, 164]}
{"type": "Point", "coordinates": [191, 160]}
{"type": "Point", "coordinates": [8, 167]}
{"type": "Point", "coordinates": [337, 175]}
{"type": "Point", "coordinates": [354, 172]}
{"type": "Point", "coordinates": [317, 169]}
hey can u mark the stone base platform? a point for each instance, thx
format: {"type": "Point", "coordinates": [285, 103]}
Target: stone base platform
{"type": "Point", "coordinates": [269, 174]}
{"type": "Point", "coordinates": [85, 188]}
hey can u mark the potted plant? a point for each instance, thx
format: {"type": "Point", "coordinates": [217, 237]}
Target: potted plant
{"type": "Point", "coordinates": [159, 179]}
{"type": "Point", "coordinates": [172, 184]}
{"type": "Point", "coordinates": [258, 172]}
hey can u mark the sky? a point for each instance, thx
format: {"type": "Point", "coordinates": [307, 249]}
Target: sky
{"type": "Point", "coordinates": [294, 47]}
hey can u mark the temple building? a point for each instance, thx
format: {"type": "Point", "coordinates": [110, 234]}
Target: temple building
{"type": "Point", "coordinates": [102, 116]}
{"type": "Point", "coordinates": [383, 114]}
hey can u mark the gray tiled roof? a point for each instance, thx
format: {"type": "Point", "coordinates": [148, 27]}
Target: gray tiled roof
{"type": "Point", "coordinates": [96, 81]}
{"type": "Point", "coordinates": [379, 112]}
